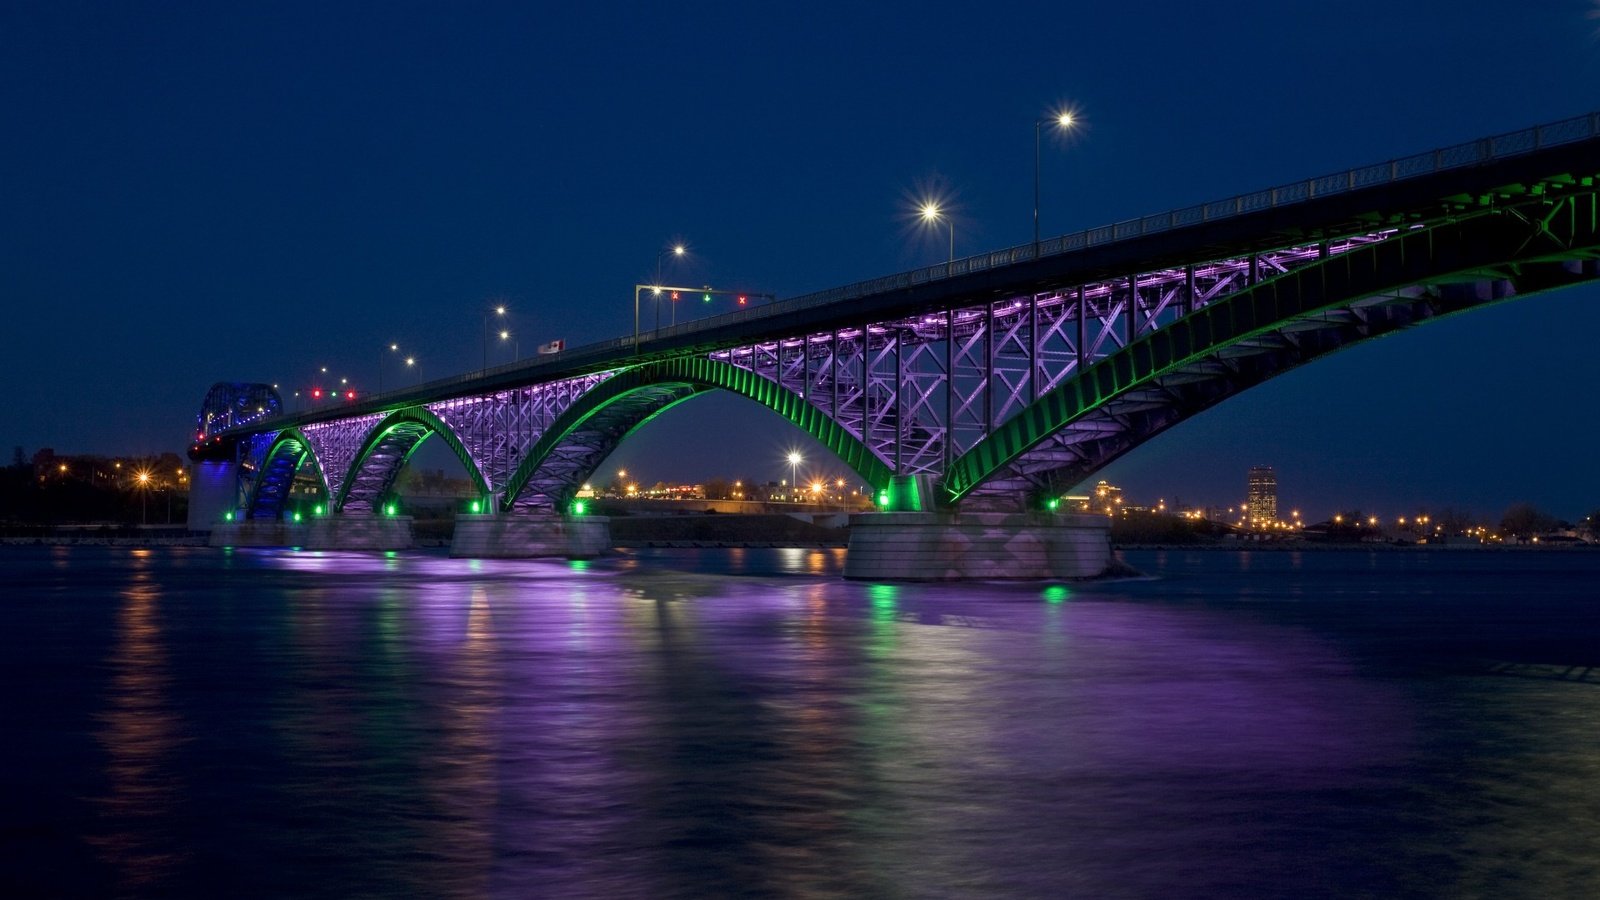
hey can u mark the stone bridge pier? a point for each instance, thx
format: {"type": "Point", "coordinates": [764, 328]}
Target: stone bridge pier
{"type": "Point", "coordinates": [911, 541]}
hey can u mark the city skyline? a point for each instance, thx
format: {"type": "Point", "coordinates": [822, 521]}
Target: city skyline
{"type": "Point", "coordinates": [163, 239]}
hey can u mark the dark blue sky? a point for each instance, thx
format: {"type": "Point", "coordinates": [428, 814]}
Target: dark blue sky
{"type": "Point", "coordinates": [197, 194]}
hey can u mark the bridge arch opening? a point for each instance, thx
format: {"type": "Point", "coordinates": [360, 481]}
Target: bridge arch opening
{"type": "Point", "coordinates": [570, 450]}
{"type": "Point", "coordinates": [288, 471]}
{"type": "Point", "coordinates": [374, 473]}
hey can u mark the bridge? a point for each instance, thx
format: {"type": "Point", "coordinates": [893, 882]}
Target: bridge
{"type": "Point", "coordinates": [971, 394]}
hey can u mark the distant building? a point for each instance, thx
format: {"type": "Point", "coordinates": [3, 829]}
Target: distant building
{"type": "Point", "coordinates": [1107, 497]}
{"type": "Point", "coordinates": [1261, 497]}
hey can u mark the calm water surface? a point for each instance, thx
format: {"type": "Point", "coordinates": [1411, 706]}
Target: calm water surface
{"type": "Point", "coordinates": [198, 723]}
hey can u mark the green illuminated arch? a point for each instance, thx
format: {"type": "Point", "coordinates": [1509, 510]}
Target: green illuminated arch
{"type": "Point", "coordinates": [278, 481]}
{"type": "Point", "coordinates": [430, 424]}
{"type": "Point", "coordinates": [694, 375]}
{"type": "Point", "coordinates": [1541, 254]}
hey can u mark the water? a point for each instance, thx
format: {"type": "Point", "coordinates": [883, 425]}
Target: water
{"type": "Point", "coordinates": [185, 722]}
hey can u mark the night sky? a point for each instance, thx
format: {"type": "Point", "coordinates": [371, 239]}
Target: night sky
{"type": "Point", "coordinates": [193, 194]}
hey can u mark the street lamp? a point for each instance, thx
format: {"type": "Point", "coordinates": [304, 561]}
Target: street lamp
{"type": "Point", "coordinates": [144, 497]}
{"type": "Point", "coordinates": [1063, 121]}
{"type": "Point", "coordinates": [516, 345]}
{"type": "Point", "coordinates": [794, 472]}
{"type": "Point", "coordinates": [499, 310]}
{"type": "Point", "coordinates": [393, 348]}
{"type": "Point", "coordinates": [931, 214]}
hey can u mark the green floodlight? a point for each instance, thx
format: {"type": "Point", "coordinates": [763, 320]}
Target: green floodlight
{"type": "Point", "coordinates": [297, 517]}
{"type": "Point", "coordinates": [389, 510]}
{"type": "Point", "coordinates": [578, 506]}
{"type": "Point", "coordinates": [1052, 503]}
{"type": "Point", "coordinates": [317, 510]}
{"type": "Point", "coordinates": [228, 516]}
{"type": "Point", "coordinates": [477, 506]}
{"type": "Point", "coordinates": [883, 498]}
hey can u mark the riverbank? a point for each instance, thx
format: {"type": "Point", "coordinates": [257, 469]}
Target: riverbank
{"type": "Point", "coordinates": [1322, 547]}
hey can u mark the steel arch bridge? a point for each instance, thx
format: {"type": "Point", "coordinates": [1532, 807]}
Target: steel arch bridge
{"type": "Point", "coordinates": [1006, 378]}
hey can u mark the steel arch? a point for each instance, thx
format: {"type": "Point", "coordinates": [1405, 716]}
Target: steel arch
{"type": "Point", "coordinates": [393, 441]}
{"type": "Point", "coordinates": [279, 465]}
{"type": "Point", "coordinates": [1192, 364]}
{"type": "Point", "coordinates": [592, 427]}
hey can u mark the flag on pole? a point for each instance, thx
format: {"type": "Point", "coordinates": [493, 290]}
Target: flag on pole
{"type": "Point", "coordinates": [553, 347]}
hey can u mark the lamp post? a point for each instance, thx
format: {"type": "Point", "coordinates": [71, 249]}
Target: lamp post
{"type": "Point", "coordinates": [393, 348]}
{"type": "Point", "coordinates": [516, 345]}
{"type": "Point", "coordinates": [675, 250]}
{"type": "Point", "coordinates": [931, 214]}
{"type": "Point", "coordinates": [1063, 121]}
{"type": "Point", "coordinates": [794, 472]}
{"type": "Point", "coordinates": [144, 497]}
{"type": "Point", "coordinates": [499, 310]}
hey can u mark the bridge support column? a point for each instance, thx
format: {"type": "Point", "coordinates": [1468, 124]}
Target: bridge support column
{"type": "Point", "coordinates": [529, 535]}
{"type": "Point", "coordinates": [962, 546]}
{"type": "Point", "coordinates": [213, 493]}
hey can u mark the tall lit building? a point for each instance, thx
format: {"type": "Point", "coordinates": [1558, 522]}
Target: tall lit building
{"type": "Point", "coordinates": [1261, 498]}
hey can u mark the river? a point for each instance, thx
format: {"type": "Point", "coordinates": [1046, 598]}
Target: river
{"type": "Point", "coordinates": [186, 722]}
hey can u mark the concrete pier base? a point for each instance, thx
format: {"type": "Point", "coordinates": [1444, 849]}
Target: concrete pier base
{"type": "Point", "coordinates": [523, 536]}
{"type": "Point", "coordinates": [960, 546]}
{"type": "Point", "coordinates": [342, 532]}
{"type": "Point", "coordinates": [213, 491]}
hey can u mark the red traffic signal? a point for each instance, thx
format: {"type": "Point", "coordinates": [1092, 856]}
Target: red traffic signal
{"type": "Point", "coordinates": [316, 393]}
{"type": "Point", "coordinates": [741, 299]}
{"type": "Point", "coordinates": [349, 395]}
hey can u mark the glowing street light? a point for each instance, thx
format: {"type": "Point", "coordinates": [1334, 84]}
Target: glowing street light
{"type": "Point", "coordinates": [677, 250]}
{"type": "Point", "coordinates": [393, 348]}
{"type": "Point", "coordinates": [794, 468]}
{"type": "Point", "coordinates": [499, 310]}
{"type": "Point", "coordinates": [1064, 121]}
{"type": "Point", "coordinates": [143, 477]}
{"type": "Point", "coordinates": [932, 215]}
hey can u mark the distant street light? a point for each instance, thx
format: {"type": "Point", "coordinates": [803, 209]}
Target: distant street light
{"type": "Point", "coordinates": [794, 472]}
{"type": "Point", "coordinates": [144, 497]}
{"type": "Point", "coordinates": [932, 215]}
{"type": "Point", "coordinates": [1063, 121]}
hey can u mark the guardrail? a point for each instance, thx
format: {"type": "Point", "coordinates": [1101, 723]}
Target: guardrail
{"type": "Point", "coordinates": [1471, 153]}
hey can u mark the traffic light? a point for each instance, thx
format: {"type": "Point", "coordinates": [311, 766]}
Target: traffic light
{"type": "Point", "coordinates": [349, 395]}
{"type": "Point", "coordinates": [316, 393]}
{"type": "Point", "coordinates": [708, 298]}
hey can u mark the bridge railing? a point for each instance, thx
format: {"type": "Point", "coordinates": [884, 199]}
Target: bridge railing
{"type": "Point", "coordinates": [1471, 153]}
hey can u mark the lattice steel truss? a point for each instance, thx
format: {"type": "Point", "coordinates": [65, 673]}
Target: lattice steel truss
{"type": "Point", "coordinates": [921, 391]}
